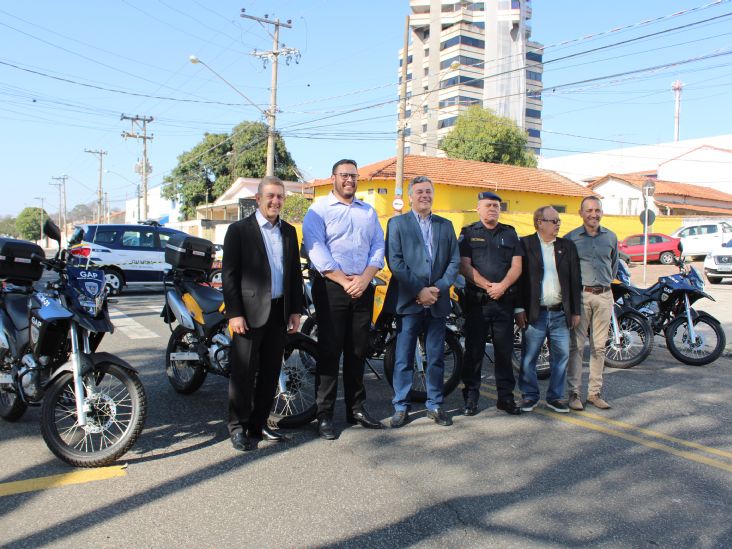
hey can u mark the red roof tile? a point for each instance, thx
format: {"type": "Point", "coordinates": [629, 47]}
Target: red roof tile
{"type": "Point", "coordinates": [694, 208]}
{"type": "Point", "coordinates": [469, 173]}
{"type": "Point", "coordinates": [668, 187]}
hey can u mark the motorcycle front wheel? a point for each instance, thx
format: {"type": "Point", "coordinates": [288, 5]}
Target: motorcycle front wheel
{"type": "Point", "coordinates": [635, 341]}
{"type": "Point", "coordinates": [117, 408]}
{"type": "Point", "coordinates": [294, 403]}
{"type": "Point", "coordinates": [186, 376]}
{"type": "Point", "coordinates": [707, 346]}
{"type": "Point", "coordinates": [453, 367]}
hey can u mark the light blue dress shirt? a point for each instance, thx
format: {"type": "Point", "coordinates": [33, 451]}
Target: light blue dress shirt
{"type": "Point", "coordinates": [425, 225]}
{"type": "Point", "coordinates": [273, 244]}
{"type": "Point", "coordinates": [345, 237]}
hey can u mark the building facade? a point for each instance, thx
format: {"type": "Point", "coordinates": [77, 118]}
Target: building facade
{"type": "Point", "coordinates": [466, 53]}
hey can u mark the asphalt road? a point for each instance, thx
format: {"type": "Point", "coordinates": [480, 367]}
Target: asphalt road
{"type": "Point", "coordinates": [656, 470]}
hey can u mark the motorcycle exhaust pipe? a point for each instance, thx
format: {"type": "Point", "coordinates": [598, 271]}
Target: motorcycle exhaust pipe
{"type": "Point", "coordinates": [182, 315]}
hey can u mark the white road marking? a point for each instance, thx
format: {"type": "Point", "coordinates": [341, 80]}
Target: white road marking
{"type": "Point", "coordinates": [130, 327]}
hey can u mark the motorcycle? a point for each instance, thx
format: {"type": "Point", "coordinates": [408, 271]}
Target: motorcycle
{"type": "Point", "coordinates": [382, 342]}
{"type": "Point", "coordinates": [692, 337]}
{"type": "Point", "coordinates": [201, 342]}
{"type": "Point", "coordinates": [630, 337]}
{"type": "Point", "coordinates": [93, 406]}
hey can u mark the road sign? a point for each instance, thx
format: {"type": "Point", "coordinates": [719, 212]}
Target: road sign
{"type": "Point", "coordinates": [397, 204]}
{"type": "Point", "coordinates": [651, 217]}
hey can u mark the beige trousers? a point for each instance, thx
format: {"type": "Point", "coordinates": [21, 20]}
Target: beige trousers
{"type": "Point", "coordinates": [596, 316]}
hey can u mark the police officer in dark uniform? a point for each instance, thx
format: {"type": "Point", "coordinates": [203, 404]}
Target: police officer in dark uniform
{"type": "Point", "coordinates": [490, 260]}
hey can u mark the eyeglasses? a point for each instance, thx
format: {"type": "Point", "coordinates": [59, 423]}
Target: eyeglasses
{"type": "Point", "coordinates": [353, 176]}
{"type": "Point", "coordinates": [554, 221]}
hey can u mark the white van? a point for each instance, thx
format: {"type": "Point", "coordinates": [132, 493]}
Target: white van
{"type": "Point", "coordinates": [703, 237]}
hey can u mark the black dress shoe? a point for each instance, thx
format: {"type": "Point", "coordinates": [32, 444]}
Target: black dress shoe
{"type": "Point", "coordinates": [508, 406]}
{"type": "Point", "coordinates": [363, 418]}
{"type": "Point", "coordinates": [241, 442]}
{"type": "Point", "coordinates": [325, 429]}
{"type": "Point", "coordinates": [470, 409]}
{"type": "Point", "coordinates": [399, 419]}
{"type": "Point", "coordinates": [273, 436]}
{"type": "Point", "coordinates": [440, 417]}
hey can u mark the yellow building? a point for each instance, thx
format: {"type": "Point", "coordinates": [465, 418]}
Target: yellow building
{"type": "Point", "coordinates": [457, 184]}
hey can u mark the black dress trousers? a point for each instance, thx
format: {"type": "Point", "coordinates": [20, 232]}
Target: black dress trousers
{"type": "Point", "coordinates": [256, 361]}
{"type": "Point", "coordinates": [343, 328]}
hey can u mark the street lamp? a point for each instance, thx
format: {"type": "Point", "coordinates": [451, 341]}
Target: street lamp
{"type": "Point", "coordinates": [269, 115]}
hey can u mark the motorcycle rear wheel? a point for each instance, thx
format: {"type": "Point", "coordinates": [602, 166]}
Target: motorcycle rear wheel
{"type": "Point", "coordinates": [453, 367]}
{"type": "Point", "coordinates": [294, 403]}
{"type": "Point", "coordinates": [636, 341]}
{"type": "Point", "coordinates": [187, 376]}
{"type": "Point", "coordinates": [12, 407]}
{"type": "Point", "coordinates": [118, 410]}
{"type": "Point", "coordinates": [709, 344]}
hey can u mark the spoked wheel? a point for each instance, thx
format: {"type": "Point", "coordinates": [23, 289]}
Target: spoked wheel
{"type": "Point", "coordinates": [12, 407]}
{"type": "Point", "coordinates": [635, 341]}
{"type": "Point", "coordinates": [453, 367]}
{"type": "Point", "coordinates": [706, 347]}
{"type": "Point", "coordinates": [543, 362]}
{"type": "Point", "coordinates": [294, 402]}
{"type": "Point", "coordinates": [116, 405]}
{"type": "Point", "coordinates": [186, 376]}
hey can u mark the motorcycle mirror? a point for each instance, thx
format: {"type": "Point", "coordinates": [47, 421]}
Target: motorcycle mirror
{"type": "Point", "coordinates": [51, 230]}
{"type": "Point", "coordinates": [681, 247]}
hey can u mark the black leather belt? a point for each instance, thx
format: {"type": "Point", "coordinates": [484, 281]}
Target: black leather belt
{"type": "Point", "coordinates": [552, 308]}
{"type": "Point", "coordinates": [596, 289]}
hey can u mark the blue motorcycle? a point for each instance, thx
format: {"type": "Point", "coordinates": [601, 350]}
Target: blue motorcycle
{"type": "Point", "coordinates": [692, 337]}
{"type": "Point", "coordinates": [93, 405]}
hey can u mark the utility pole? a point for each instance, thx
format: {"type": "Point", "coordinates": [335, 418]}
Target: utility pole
{"type": "Point", "coordinates": [106, 207]}
{"type": "Point", "coordinates": [62, 189]}
{"type": "Point", "coordinates": [60, 202]}
{"type": "Point", "coordinates": [273, 56]}
{"type": "Point", "coordinates": [41, 198]}
{"type": "Point", "coordinates": [141, 123]}
{"type": "Point", "coordinates": [399, 179]}
{"type": "Point", "coordinates": [100, 194]}
{"type": "Point", "coordinates": [677, 87]}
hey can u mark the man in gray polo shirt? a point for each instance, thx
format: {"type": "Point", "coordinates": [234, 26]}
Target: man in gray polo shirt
{"type": "Point", "coordinates": [597, 248]}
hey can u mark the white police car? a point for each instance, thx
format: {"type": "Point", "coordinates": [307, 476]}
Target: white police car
{"type": "Point", "coordinates": [129, 254]}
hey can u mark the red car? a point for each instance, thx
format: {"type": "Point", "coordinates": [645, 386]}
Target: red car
{"type": "Point", "coordinates": [661, 247]}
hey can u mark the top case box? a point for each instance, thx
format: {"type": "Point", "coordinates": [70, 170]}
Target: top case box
{"type": "Point", "coordinates": [189, 253]}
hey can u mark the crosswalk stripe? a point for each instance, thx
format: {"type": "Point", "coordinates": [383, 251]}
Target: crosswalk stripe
{"type": "Point", "coordinates": [130, 327]}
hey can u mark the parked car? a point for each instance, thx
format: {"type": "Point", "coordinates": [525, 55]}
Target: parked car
{"type": "Point", "coordinates": [702, 238]}
{"type": "Point", "coordinates": [661, 247]}
{"type": "Point", "coordinates": [718, 264]}
{"type": "Point", "coordinates": [129, 254]}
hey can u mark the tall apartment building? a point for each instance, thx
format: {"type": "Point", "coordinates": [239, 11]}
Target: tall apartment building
{"type": "Point", "coordinates": [465, 53]}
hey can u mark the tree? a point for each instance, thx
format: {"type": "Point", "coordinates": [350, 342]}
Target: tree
{"type": "Point", "coordinates": [28, 223]}
{"type": "Point", "coordinates": [82, 212]}
{"type": "Point", "coordinates": [209, 168]}
{"type": "Point", "coordinates": [295, 208]}
{"type": "Point", "coordinates": [480, 134]}
{"type": "Point", "coordinates": [7, 226]}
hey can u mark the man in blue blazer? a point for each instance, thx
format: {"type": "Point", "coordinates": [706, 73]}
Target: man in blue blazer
{"type": "Point", "coordinates": [422, 253]}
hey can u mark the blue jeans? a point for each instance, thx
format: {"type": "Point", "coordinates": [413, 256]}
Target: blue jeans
{"type": "Point", "coordinates": [551, 324]}
{"type": "Point", "coordinates": [409, 328]}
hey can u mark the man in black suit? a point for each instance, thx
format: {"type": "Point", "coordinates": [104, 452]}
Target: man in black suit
{"type": "Point", "coordinates": [550, 301]}
{"type": "Point", "coordinates": [263, 294]}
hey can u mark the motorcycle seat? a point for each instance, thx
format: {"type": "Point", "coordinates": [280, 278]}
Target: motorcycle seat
{"type": "Point", "coordinates": [17, 307]}
{"type": "Point", "coordinates": [209, 299]}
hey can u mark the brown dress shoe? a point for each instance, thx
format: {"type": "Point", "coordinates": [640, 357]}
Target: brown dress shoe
{"type": "Point", "coordinates": [575, 402]}
{"type": "Point", "coordinates": [598, 402]}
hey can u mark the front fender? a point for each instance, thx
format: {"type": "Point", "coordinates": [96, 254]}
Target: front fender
{"type": "Point", "coordinates": [704, 314]}
{"type": "Point", "coordinates": [89, 362]}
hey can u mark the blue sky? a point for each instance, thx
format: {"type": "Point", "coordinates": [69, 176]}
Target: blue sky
{"type": "Point", "coordinates": [349, 63]}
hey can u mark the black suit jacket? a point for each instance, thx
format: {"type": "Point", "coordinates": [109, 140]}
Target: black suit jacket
{"type": "Point", "coordinates": [246, 274]}
{"type": "Point", "coordinates": [532, 273]}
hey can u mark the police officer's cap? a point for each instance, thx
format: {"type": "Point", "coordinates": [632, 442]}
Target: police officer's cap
{"type": "Point", "coordinates": [487, 195]}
